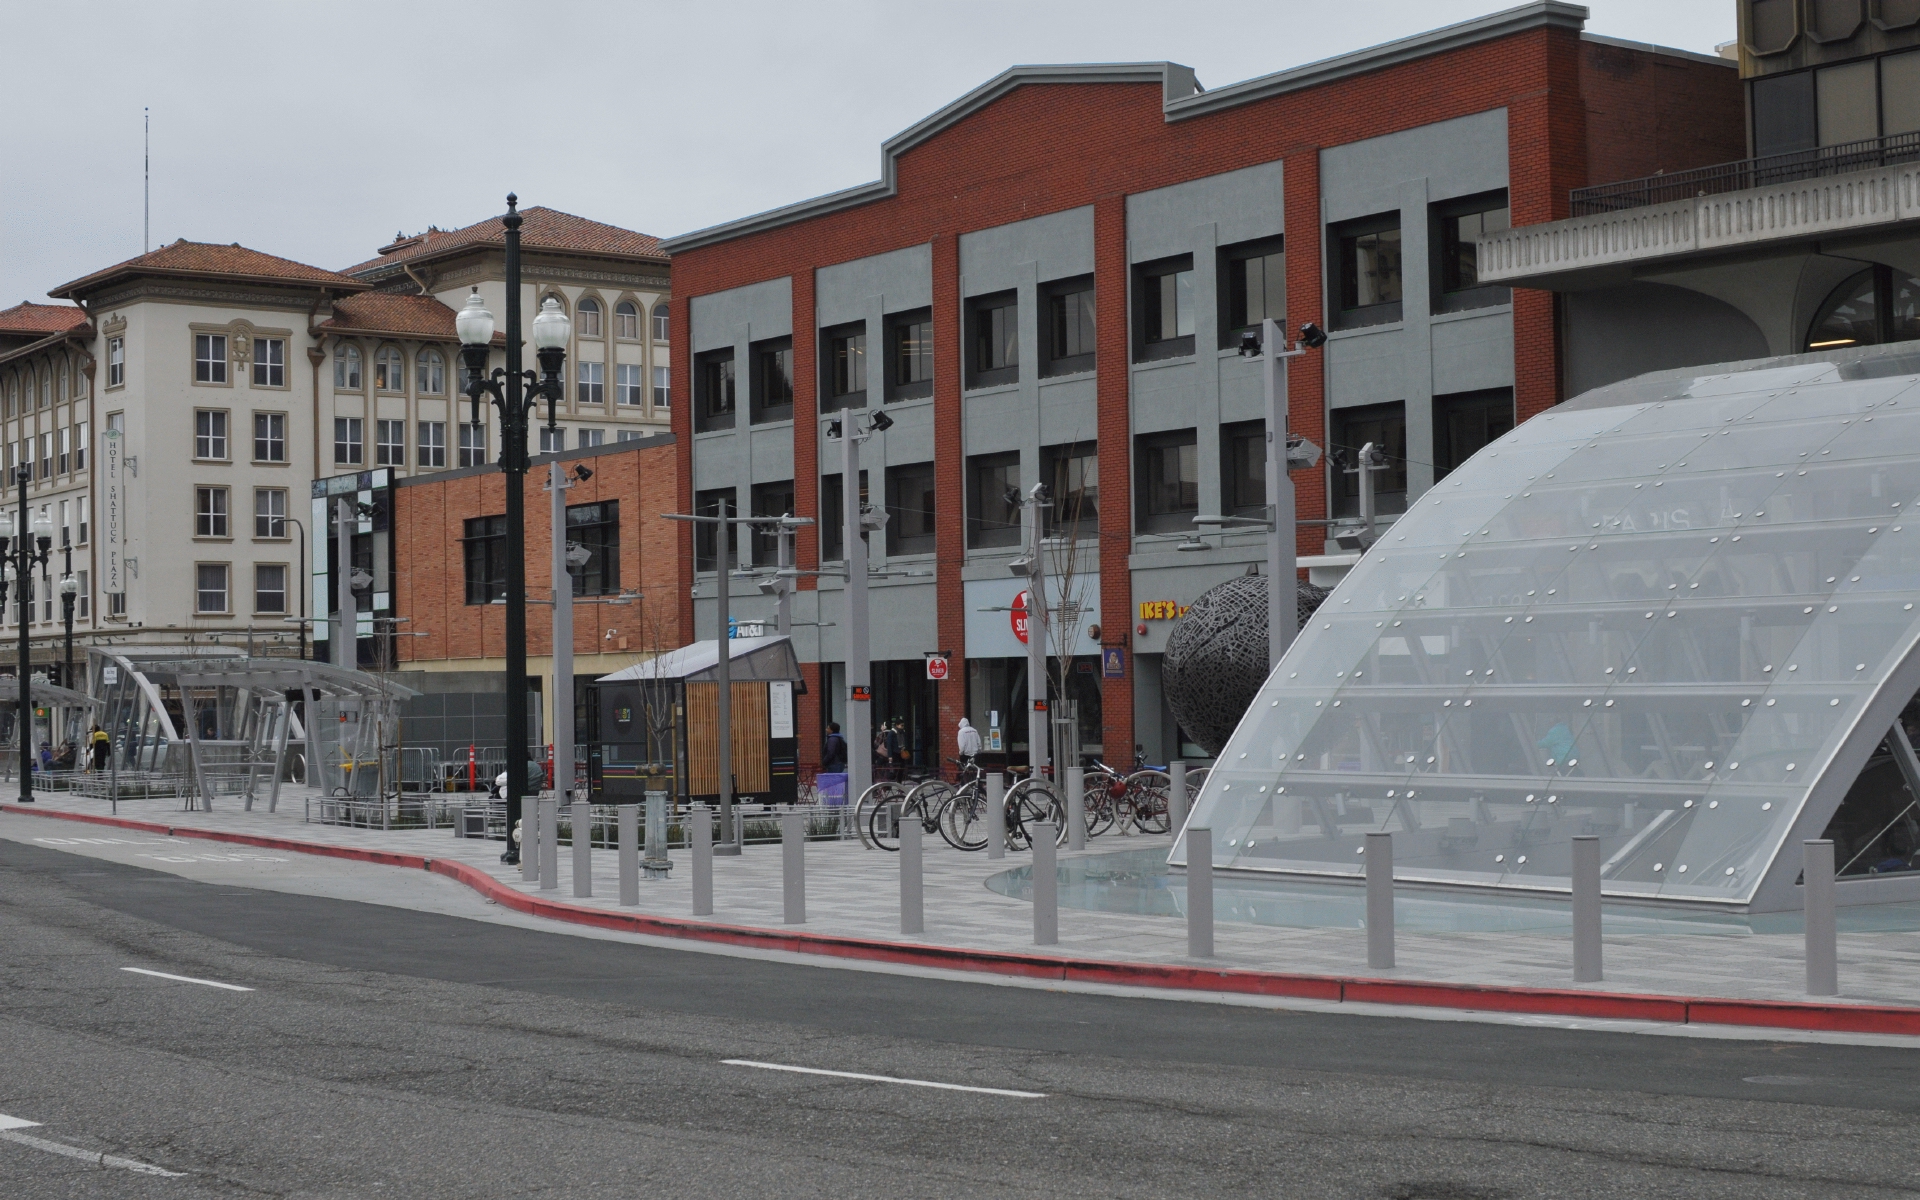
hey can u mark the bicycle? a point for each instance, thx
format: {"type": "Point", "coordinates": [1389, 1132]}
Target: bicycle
{"type": "Point", "coordinates": [1030, 801]}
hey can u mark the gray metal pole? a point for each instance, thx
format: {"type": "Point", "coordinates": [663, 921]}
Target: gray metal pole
{"type": "Point", "coordinates": [1366, 494]}
{"type": "Point", "coordinates": [1282, 545]}
{"type": "Point", "coordinates": [1176, 796]}
{"type": "Point", "coordinates": [1200, 893]}
{"type": "Point", "coordinates": [723, 680]}
{"type": "Point", "coordinates": [858, 668]}
{"type": "Point", "coordinates": [783, 597]}
{"type": "Point", "coordinates": [582, 817]}
{"type": "Point", "coordinates": [1380, 901]}
{"type": "Point", "coordinates": [793, 866]}
{"type": "Point", "coordinates": [562, 706]}
{"type": "Point", "coordinates": [529, 843]}
{"type": "Point", "coordinates": [996, 815]}
{"type": "Point", "coordinates": [1037, 714]}
{"type": "Point", "coordinates": [1076, 808]}
{"type": "Point", "coordinates": [629, 854]}
{"type": "Point", "coordinates": [1823, 952]}
{"type": "Point", "coordinates": [348, 630]}
{"type": "Point", "coordinates": [912, 882]}
{"type": "Point", "coordinates": [1046, 885]}
{"type": "Point", "coordinates": [700, 830]}
{"type": "Point", "coordinates": [1586, 908]}
{"type": "Point", "coordinates": [548, 810]}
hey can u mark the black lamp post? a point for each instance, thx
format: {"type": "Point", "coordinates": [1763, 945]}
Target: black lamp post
{"type": "Point", "coordinates": [516, 393]}
{"type": "Point", "coordinates": [22, 554]}
{"type": "Point", "coordinates": [69, 592]}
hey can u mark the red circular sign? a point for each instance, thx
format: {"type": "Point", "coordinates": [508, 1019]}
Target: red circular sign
{"type": "Point", "coordinates": [936, 666]}
{"type": "Point", "coordinates": [1019, 617]}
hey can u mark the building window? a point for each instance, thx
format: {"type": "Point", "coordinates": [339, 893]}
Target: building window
{"type": "Point", "coordinates": [84, 529]}
{"type": "Point", "coordinates": [626, 384]}
{"type": "Point", "coordinates": [843, 367]}
{"type": "Point", "coordinates": [1243, 468]}
{"type": "Point", "coordinates": [1168, 466]}
{"type": "Point", "coordinates": [718, 502]}
{"type": "Point", "coordinates": [486, 559]}
{"type": "Point", "coordinates": [390, 443]}
{"type": "Point", "coordinates": [83, 602]}
{"type": "Point", "coordinates": [587, 318]}
{"type": "Point", "coordinates": [910, 355]}
{"type": "Point", "coordinates": [432, 372]}
{"type": "Point", "coordinates": [209, 359]}
{"type": "Point", "coordinates": [209, 434]}
{"type": "Point", "coordinates": [269, 512]}
{"type": "Point", "coordinates": [346, 368]}
{"type": "Point", "coordinates": [1165, 291]}
{"type": "Point", "coordinates": [1253, 288]}
{"type": "Point", "coordinates": [389, 370]}
{"type": "Point", "coordinates": [593, 385]}
{"type": "Point", "coordinates": [116, 361]}
{"type": "Point", "coordinates": [626, 321]}
{"type": "Point", "coordinates": [210, 512]}
{"type": "Point", "coordinates": [590, 438]}
{"type": "Point", "coordinates": [660, 387]}
{"type": "Point", "coordinates": [1463, 423]}
{"type": "Point", "coordinates": [772, 382]}
{"type": "Point", "coordinates": [1072, 474]}
{"type": "Point", "coordinates": [627, 435]}
{"type": "Point", "coordinates": [66, 457]}
{"type": "Point", "coordinates": [770, 500]}
{"type": "Point", "coordinates": [833, 515]}
{"type": "Point", "coordinates": [1070, 326]}
{"type": "Point", "coordinates": [1384, 426]}
{"type": "Point", "coordinates": [660, 321]}
{"type": "Point", "coordinates": [433, 443]}
{"type": "Point", "coordinates": [993, 494]}
{"type": "Point", "coordinates": [993, 353]}
{"type": "Point", "coordinates": [117, 605]}
{"type": "Point", "coordinates": [46, 455]}
{"type": "Point", "coordinates": [713, 381]}
{"type": "Point", "coordinates": [269, 437]}
{"type": "Point", "coordinates": [552, 440]}
{"type": "Point", "coordinates": [596, 527]}
{"type": "Point", "coordinates": [66, 522]}
{"type": "Point", "coordinates": [1460, 227]}
{"type": "Point", "coordinates": [1366, 271]}
{"type": "Point", "coordinates": [270, 588]}
{"type": "Point", "coordinates": [473, 445]}
{"type": "Point", "coordinates": [80, 446]}
{"type": "Point", "coordinates": [210, 588]}
{"type": "Point", "coordinates": [269, 362]}
{"type": "Point", "coordinates": [910, 506]}
{"type": "Point", "coordinates": [346, 441]}
{"type": "Point", "coordinates": [1877, 305]}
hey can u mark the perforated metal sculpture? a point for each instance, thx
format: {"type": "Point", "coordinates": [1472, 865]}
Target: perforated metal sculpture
{"type": "Point", "coordinates": [1216, 657]}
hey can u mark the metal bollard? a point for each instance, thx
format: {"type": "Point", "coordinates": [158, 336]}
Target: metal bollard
{"type": "Point", "coordinates": [582, 848]}
{"type": "Point", "coordinates": [700, 825]}
{"type": "Point", "coordinates": [1586, 908]}
{"type": "Point", "coordinates": [1177, 797]}
{"type": "Point", "coordinates": [629, 854]}
{"type": "Point", "coordinates": [1200, 893]}
{"type": "Point", "coordinates": [793, 866]}
{"type": "Point", "coordinates": [1046, 885]}
{"type": "Point", "coordinates": [529, 839]}
{"type": "Point", "coordinates": [549, 844]}
{"type": "Point", "coordinates": [1380, 901]}
{"type": "Point", "coordinates": [656, 865]}
{"type": "Point", "coordinates": [912, 891]}
{"type": "Point", "coordinates": [996, 815]}
{"type": "Point", "coordinates": [1076, 808]}
{"type": "Point", "coordinates": [1823, 952]}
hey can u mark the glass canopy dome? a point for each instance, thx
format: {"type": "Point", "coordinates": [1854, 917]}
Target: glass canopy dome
{"type": "Point", "coordinates": [1677, 613]}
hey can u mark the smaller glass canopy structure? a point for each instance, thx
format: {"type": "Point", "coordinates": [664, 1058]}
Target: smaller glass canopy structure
{"type": "Point", "coordinates": [1677, 613]}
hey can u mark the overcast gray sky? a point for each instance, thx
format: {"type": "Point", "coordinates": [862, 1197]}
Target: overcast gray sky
{"type": "Point", "coordinates": [315, 131]}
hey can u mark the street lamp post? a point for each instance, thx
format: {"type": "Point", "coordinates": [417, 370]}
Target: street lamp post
{"type": "Point", "coordinates": [69, 592]}
{"type": "Point", "coordinates": [24, 546]}
{"type": "Point", "coordinates": [1033, 565]}
{"type": "Point", "coordinates": [509, 390]}
{"type": "Point", "coordinates": [567, 558]}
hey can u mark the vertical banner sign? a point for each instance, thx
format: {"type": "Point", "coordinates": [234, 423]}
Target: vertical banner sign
{"type": "Point", "coordinates": [113, 511]}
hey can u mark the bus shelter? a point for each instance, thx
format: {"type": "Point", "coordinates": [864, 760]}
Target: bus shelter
{"type": "Point", "coordinates": [59, 717]}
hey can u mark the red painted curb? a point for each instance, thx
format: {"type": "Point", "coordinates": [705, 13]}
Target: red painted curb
{"type": "Point", "coordinates": [1774, 1014]}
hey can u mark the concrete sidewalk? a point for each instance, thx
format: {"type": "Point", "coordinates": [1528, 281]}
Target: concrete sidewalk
{"type": "Point", "coordinates": [852, 894]}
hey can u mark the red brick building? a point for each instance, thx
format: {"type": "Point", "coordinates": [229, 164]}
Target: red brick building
{"type": "Point", "coordinates": [1049, 281]}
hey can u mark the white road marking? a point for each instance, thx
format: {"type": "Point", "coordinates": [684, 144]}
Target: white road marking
{"type": "Point", "coordinates": [9, 1131]}
{"type": "Point", "coordinates": [926, 1083]}
{"type": "Point", "coordinates": [231, 987]}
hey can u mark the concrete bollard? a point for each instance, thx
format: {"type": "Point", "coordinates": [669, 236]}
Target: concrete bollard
{"type": "Point", "coordinates": [1177, 797]}
{"type": "Point", "coordinates": [1046, 885]}
{"type": "Point", "coordinates": [549, 844]}
{"type": "Point", "coordinates": [700, 827]}
{"type": "Point", "coordinates": [996, 815]}
{"type": "Point", "coordinates": [1200, 893]}
{"type": "Point", "coordinates": [629, 854]}
{"type": "Point", "coordinates": [530, 839]}
{"type": "Point", "coordinates": [912, 884]}
{"type": "Point", "coordinates": [1379, 901]}
{"type": "Point", "coordinates": [1076, 808]}
{"type": "Point", "coordinates": [793, 866]}
{"type": "Point", "coordinates": [1586, 908]}
{"type": "Point", "coordinates": [1823, 951]}
{"type": "Point", "coordinates": [582, 849]}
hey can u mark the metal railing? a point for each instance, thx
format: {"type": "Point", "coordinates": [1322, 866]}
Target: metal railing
{"type": "Point", "coordinates": [1893, 149]}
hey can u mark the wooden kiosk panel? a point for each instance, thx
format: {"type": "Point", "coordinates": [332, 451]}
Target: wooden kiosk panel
{"type": "Point", "coordinates": [752, 766]}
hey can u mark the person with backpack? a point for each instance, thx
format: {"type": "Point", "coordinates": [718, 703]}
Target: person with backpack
{"type": "Point", "coordinates": [833, 751]}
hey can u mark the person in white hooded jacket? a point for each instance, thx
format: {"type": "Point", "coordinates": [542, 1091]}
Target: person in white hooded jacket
{"type": "Point", "coordinates": [967, 740]}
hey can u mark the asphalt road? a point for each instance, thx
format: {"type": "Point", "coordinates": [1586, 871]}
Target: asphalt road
{"type": "Point", "coordinates": [384, 1052]}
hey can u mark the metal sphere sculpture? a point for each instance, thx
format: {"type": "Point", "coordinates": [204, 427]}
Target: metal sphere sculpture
{"type": "Point", "coordinates": [1216, 658]}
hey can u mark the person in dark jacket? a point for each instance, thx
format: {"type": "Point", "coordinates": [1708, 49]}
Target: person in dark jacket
{"type": "Point", "coordinates": [833, 750]}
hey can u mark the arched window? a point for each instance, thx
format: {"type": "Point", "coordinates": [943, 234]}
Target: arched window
{"type": "Point", "coordinates": [390, 369]}
{"type": "Point", "coordinates": [46, 389]}
{"type": "Point", "coordinates": [626, 320]}
{"type": "Point", "coordinates": [66, 385]}
{"type": "Point", "coordinates": [433, 373]}
{"type": "Point", "coordinates": [346, 367]}
{"type": "Point", "coordinates": [660, 321]}
{"type": "Point", "coordinates": [588, 322]}
{"type": "Point", "coordinates": [1875, 306]}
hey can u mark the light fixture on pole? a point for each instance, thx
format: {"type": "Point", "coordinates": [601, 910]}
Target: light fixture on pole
{"type": "Point", "coordinates": [24, 550]}
{"type": "Point", "coordinates": [1269, 346]}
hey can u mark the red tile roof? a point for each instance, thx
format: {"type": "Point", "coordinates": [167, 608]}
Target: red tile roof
{"type": "Point", "coordinates": [543, 229]}
{"type": "Point", "coordinates": [184, 258]}
{"type": "Point", "coordinates": [384, 312]}
{"type": "Point", "coordinates": [27, 317]}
